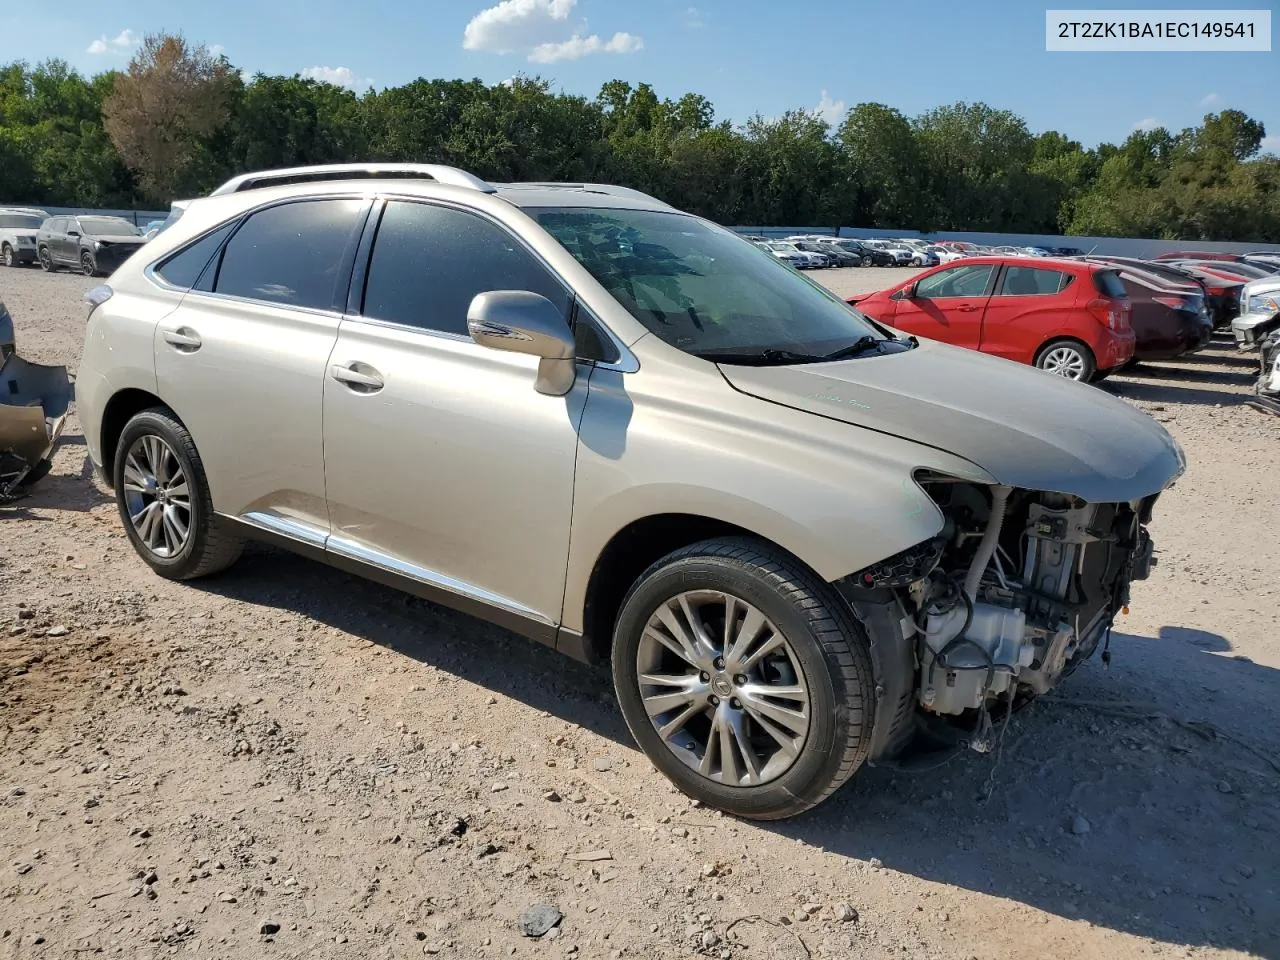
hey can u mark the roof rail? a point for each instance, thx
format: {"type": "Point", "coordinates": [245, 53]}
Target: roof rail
{"type": "Point", "coordinates": [606, 188]}
{"type": "Point", "coordinates": [354, 171]}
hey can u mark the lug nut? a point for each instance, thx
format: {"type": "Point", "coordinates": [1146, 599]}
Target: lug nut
{"type": "Point", "coordinates": [704, 676]}
{"type": "Point", "coordinates": [740, 680]}
{"type": "Point", "coordinates": [719, 663]}
{"type": "Point", "coordinates": [735, 703]}
{"type": "Point", "coordinates": [715, 701]}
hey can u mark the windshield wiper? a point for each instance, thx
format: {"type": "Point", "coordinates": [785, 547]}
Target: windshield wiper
{"type": "Point", "coordinates": [763, 358]}
{"type": "Point", "coordinates": [867, 344]}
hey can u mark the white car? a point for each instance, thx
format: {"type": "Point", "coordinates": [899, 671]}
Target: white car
{"type": "Point", "coordinates": [18, 226]}
{"type": "Point", "coordinates": [946, 254]}
{"type": "Point", "coordinates": [1259, 302]}
{"type": "Point", "coordinates": [798, 258]}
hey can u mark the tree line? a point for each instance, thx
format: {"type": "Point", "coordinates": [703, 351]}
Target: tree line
{"type": "Point", "coordinates": [178, 121]}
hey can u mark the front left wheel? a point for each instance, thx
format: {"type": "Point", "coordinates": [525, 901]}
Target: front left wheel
{"type": "Point", "coordinates": [8, 256]}
{"type": "Point", "coordinates": [745, 679]}
{"type": "Point", "coordinates": [87, 265]}
{"type": "Point", "coordinates": [163, 499]}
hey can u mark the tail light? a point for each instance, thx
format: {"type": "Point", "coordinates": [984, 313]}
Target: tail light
{"type": "Point", "coordinates": [1111, 313]}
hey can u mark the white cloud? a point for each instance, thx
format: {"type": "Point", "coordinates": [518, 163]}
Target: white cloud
{"type": "Point", "coordinates": [832, 111]}
{"type": "Point", "coordinates": [217, 50]}
{"type": "Point", "coordinates": [576, 47]}
{"type": "Point", "coordinates": [515, 25]}
{"type": "Point", "coordinates": [123, 42]}
{"type": "Point", "coordinates": [1209, 99]}
{"type": "Point", "coordinates": [339, 77]}
{"type": "Point", "coordinates": [695, 19]}
{"type": "Point", "coordinates": [1146, 124]}
{"type": "Point", "coordinates": [540, 29]}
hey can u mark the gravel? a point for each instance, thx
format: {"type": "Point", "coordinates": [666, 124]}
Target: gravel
{"type": "Point", "coordinates": [369, 715]}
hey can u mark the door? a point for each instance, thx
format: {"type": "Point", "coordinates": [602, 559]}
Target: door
{"type": "Point", "coordinates": [65, 247]}
{"type": "Point", "coordinates": [947, 305]}
{"type": "Point", "coordinates": [242, 360]}
{"type": "Point", "coordinates": [443, 464]}
{"type": "Point", "coordinates": [1026, 309]}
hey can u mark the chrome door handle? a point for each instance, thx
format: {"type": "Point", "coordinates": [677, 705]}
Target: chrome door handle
{"type": "Point", "coordinates": [967, 308]}
{"type": "Point", "coordinates": [367, 382]}
{"type": "Point", "coordinates": [184, 338]}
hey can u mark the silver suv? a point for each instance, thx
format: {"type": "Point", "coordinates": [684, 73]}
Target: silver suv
{"type": "Point", "coordinates": [629, 434]}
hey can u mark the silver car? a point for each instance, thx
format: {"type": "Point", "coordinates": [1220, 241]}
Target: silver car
{"type": "Point", "coordinates": [629, 434]}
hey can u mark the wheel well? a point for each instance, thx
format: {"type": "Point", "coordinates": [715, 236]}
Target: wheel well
{"type": "Point", "coordinates": [628, 554]}
{"type": "Point", "coordinates": [121, 408]}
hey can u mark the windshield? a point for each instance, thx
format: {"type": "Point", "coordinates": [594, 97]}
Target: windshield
{"type": "Point", "coordinates": [108, 227]}
{"type": "Point", "coordinates": [701, 288]}
{"type": "Point", "coordinates": [20, 221]}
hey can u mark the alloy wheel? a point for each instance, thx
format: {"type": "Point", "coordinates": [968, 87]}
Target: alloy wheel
{"type": "Point", "coordinates": [157, 496]}
{"type": "Point", "coordinates": [46, 260]}
{"type": "Point", "coordinates": [87, 266]}
{"type": "Point", "coordinates": [1064, 361]}
{"type": "Point", "coordinates": [723, 688]}
{"type": "Point", "coordinates": [9, 259]}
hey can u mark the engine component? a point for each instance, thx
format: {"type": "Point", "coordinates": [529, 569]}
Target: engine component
{"type": "Point", "coordinates": [990, 538]}
{"type": "Point", "coordinates": [973, 651]}
{"type": "Point", "coordinates": [902, 569]}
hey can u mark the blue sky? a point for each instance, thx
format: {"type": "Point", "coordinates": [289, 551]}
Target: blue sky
{"type": "Point", "coordinates": [747, 56]}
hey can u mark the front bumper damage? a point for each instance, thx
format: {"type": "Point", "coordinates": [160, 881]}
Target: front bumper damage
{"type": "Point", "coordinates": [34, 401]}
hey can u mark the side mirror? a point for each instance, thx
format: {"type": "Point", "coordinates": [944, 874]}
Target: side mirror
{"type": "Point", "coordinates": [908, 292]}
{"type": "Point", "coordinates": [519, 321]}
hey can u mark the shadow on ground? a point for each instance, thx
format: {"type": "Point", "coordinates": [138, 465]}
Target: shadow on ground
{"type": "Point", "coordinates": [1125, 799]}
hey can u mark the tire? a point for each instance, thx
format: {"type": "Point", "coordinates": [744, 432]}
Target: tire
{"type": "Point", "coordinates": [36, 473]}
{"type": "Point", "coordinates": [208, 546]}
{"type": "Point", "coordinates": [87, 266]}
{"type": "Point", "coordinates": [1067, 358]}
{"type": "Point", "coordinates": [866, 261]}
{"type": "Point", "coordinates": [7, 255]}
{"type": "Point", "coordinates": [46, 260]}
{"type": "Point", "coordinates": [824, 655]}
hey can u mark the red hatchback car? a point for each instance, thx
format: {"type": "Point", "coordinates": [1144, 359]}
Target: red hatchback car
{"type": "Point", "coordinates": [1066, 317]}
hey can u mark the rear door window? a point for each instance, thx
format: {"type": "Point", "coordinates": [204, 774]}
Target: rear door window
{"type": "Point", "coordinates": [292, 254]}
{"type": "Point", "coordinates": [1032, 282]}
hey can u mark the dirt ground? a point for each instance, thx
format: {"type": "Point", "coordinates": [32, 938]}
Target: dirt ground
{"type": "Point", "coordinates": [286, 761]}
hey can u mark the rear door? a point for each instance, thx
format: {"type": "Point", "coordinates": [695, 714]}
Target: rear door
{"type": "Point", "coordinates": [61, 242]}
{"type": "Point", "coordinates": [242, 360]}
{"type": "Point", "coordinates": [947, 305]}
{"type": "Point", "coordinates": [1029, 305]}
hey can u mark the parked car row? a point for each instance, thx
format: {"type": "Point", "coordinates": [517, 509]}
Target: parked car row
{"type": "Point", "coordinates": [95, 245]}
{"type": "Point", "coordinates": [1080, 317]}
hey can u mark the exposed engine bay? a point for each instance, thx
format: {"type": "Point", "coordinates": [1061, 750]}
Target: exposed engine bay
{"type": "Point", "coordinates": [1016, 590]}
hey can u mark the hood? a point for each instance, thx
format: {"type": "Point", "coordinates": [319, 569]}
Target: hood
{"type": "Point", "coordinates": [1024, 427]}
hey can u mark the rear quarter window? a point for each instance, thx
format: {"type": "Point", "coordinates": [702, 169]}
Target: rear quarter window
{"type": "Point", "coordinates": [183, 268]}
{"type": "Point", "coordinates": [1108, 283]}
